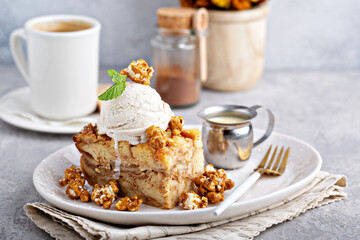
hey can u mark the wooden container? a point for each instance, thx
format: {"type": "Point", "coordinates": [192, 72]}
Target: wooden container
{"type": "Point", "coordinates": [236, 46]}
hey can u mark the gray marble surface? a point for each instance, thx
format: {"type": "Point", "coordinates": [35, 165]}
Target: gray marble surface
{"type": "Point", "coordinates": [321, 108]}
{"type": "Point", "coordinates": [302, 34]}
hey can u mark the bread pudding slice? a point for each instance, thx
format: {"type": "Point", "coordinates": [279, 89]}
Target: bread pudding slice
{"type": "Point", "coordinates": [160, 173]}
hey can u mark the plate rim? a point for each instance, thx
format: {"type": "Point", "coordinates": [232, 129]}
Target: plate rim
{"type": "Point", "coordinates": [76, 209]}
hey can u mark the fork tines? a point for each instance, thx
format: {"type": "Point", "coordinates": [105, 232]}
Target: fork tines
{"type": "Point", "coordinates": [279, 166]}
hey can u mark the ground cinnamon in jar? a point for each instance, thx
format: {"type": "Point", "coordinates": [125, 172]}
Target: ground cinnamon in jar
{"type": "Point", "coordinates": [174, 57]}
{"type": "Point", "coordinates": [177, 86]}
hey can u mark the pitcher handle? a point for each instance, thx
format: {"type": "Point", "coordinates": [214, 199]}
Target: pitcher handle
{"type": "Point", "coordinates": [270, 126]}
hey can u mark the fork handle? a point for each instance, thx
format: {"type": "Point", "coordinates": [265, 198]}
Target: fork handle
{"type": "Point", "coordinates": [237, 193]}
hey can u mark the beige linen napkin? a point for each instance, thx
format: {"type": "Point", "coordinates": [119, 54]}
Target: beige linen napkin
{"type": "Point", "coordinates": [324, 189]}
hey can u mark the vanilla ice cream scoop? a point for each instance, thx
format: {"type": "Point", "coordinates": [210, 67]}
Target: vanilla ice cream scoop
{"type": "Point", "coordinates": [127, 117]}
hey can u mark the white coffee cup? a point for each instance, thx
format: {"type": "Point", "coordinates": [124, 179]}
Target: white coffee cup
{"type": "Point", "coordinates": [62, 64]}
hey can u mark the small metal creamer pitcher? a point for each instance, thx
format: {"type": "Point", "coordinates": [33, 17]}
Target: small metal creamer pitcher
{"type": "Point", "coordinates": [227, 144]}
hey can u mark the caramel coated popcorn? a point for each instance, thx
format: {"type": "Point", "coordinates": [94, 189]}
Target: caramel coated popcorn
{"type": "Point", "coordinates": [71, 173]}
{"type": "Point", "coordinates": [156, 136]}
{"type": "Point", "coordinates": [105, 195]}
{"type": "Point", "coordinates": [75, 190]}
{"type": "Point", "coordinates": [191, 200]}
{"type": "Point", "coordinates": [215, 197]}
{"type": "Point", "coordinates": [75, 184]}
{"type": "Point", "coordinates": [129, 204]}
{"type": "Point", "coordinates": [139, 72]}
{"type": "Point", "coordinates": [212, 184]}
{"type": "Point", "coordinates": [176, 125]}
{"type": "Point", "coordinates": [191, 133]}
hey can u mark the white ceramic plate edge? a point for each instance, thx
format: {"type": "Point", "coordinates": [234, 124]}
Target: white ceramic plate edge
{"type": "Point", "coordinates": [187, 217]}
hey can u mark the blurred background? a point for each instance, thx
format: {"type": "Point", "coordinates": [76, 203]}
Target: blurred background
{"type": "Point", "coordinates": [311, 80]}
{"type": "Point", "coordinates": [302, 34]}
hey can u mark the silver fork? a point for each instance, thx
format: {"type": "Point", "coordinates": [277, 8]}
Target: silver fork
{"type": "Point", "coordinates": [265, 167]}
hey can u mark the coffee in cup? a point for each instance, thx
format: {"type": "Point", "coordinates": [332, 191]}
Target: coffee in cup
{"type": "Point", "coordinates": [62, 26]}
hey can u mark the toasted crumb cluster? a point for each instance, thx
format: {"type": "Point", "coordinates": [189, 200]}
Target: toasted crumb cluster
{"type": "Point", "coordinates": [191, 201]}
{"type": "Point", "coordinates": [176, 125]}
{"type": "Point", "coordinates": [105, 195]}
{"type": "Point", "coordinates": [212, 184]}
{"type": "Point", "coordinates": [139, 72]}
{"type": "Point", "coordinates": [75, 184]}
{"type": "Point", "coordinates": [129, 204]}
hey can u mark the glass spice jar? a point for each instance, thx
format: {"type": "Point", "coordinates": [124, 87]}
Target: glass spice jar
{"type": "Point", "coordinates": [174, 58]}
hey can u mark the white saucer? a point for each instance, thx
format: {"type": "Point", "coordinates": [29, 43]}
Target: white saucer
{"type": "Point", "coordinates": [15, 110]}
{"type": "Point", "coordinates": [303, 164]}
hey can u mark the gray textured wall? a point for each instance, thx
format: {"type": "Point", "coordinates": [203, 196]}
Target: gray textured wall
{"type": "Point", "coordinates": [302, 34]}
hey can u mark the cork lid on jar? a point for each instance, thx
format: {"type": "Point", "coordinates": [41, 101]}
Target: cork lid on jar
{"type": "Point", "coordinates": [175, 17]}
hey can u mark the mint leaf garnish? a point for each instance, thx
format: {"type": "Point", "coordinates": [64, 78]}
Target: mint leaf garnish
{"type": "Point", "coordinates": [112, 72]}
{"type": "Point", "coordinates": [115, 90]}
{"type": "Point", "coordinates": [115, 76]}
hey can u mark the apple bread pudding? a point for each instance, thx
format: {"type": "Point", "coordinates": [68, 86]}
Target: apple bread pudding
{"type": "Point", "coordinates": [160, 170]}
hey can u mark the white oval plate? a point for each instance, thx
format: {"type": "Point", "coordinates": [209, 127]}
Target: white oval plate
{"type": "Point", "coordinates": [303, 164]}
{"type": "Point", "coordinates": [22, 116]}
